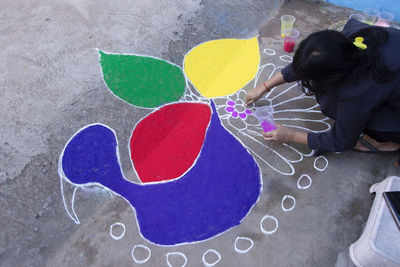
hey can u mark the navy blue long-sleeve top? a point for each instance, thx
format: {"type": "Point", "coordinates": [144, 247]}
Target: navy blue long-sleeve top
{"type": "Point", "coordinates": [366, 104]}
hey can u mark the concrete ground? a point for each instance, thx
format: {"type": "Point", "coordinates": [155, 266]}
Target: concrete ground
{"type": "Point", "coordinates": [52, 86]}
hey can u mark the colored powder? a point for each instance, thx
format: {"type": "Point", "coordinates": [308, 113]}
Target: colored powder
{"type": "Point", "coordinates": [267, 126]}
{"type": "Point", "coordinates": [382, 24]}
{"type": "Point", "coordinates": [288, 47]}
{"type": "Point", "coordinates": [239, 59]}
{"type": "Point", "coordinates": [142, 81]}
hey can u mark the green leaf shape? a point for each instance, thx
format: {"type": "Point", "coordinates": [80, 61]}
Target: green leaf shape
{"type": "Point", "coordinates": [141, 80]}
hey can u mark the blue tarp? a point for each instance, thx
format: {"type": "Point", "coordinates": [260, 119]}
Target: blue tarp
{"type": "Point", "coordinates": [392, 6]}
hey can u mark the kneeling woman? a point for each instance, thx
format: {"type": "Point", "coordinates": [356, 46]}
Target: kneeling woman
{"type": "Point", "coordinates": [355, 77]}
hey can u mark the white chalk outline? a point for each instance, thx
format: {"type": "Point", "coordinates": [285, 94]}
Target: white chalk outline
{"type": "Point", "coordinates": [323, 168]}
{"type": "Point", "coordinates": [269, 52]}
{"type": "Point", "coordinates": [133, 255]}
{"type": "Point", "coordinates": [273, 151]}
{"type": "Point", "coordinates": [211, 251]}
{"type": "Point", "coordinates": [286, 58]}
{"type": "Point", "coordinates": [283, 200]}
{"type": "Point", "coordinates": [72, 215]}
{"type": "Point", "coordinates": [251, 133]}
{"type": "Point", "coordinates": [176, 253]}
{"type": "Point", "coordinates": [300, 178]}
{"type": "Point", "coordinates": [242, 251]}
{"type": "Point", "coordinates": [191, 96]}
{"type": "Point", "coordinates": [121, 235]}
{"type": "Point", "coordinates": [266, 232]}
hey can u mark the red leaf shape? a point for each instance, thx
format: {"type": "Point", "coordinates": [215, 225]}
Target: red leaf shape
{"type": "Point", "coordinates": [165, 144]}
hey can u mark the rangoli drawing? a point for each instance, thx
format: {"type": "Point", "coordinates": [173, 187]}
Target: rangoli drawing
{"type": "Point", "coordinates": [195, 152]}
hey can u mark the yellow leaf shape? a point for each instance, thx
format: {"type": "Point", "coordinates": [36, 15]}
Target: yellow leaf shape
{"type": "Point", "coordinates": [222, 67]}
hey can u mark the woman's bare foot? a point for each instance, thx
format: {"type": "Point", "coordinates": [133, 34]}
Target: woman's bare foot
{"type": "Point", "coordinates": [381, 146]}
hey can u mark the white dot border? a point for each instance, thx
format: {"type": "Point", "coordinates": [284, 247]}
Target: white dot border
{"type": "Point", "coordinates": [323, 168]}
{"type": "Point", "coordinates": [286, 58]}
{"type": "Point", "coordinates": [121, 235]}
{"type": "Point", "coordinates": [271, 231]}
{"type": "Point", "coordinates": [179, 254]}
{"type": "Point", "coordinates": [288, 197]}
{"type": "Point", "coordinates": [242, 251]}
{"type": "Point", "coordinates": [140, 261]}
{"type": "Point", "coordinates": [211, 251]}
{"type": "Point", "coordinates": [300, 178]}
{"type": "Point", "coordinates": [269, 52]}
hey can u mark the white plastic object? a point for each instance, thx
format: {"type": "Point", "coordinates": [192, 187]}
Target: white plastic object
{"type": "Point", "coordinates": [379, 244]}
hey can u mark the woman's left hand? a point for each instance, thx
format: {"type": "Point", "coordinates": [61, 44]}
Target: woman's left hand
{"type": "Point", "coordinates": [281, 134]}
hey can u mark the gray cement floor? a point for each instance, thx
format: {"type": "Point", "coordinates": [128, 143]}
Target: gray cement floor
{"type": "Point", "coordinates": [51, 87]}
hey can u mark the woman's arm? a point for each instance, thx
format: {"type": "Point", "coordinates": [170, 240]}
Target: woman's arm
{"type": "Point", "coordinates": [281, 134]}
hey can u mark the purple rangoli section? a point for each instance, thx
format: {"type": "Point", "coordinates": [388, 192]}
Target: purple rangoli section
{"type": "Point", "coordinates": [212, 197]}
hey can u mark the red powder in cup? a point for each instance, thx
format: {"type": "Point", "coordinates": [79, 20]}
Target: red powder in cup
{"type": "Point", "coordinates": [288, 46]}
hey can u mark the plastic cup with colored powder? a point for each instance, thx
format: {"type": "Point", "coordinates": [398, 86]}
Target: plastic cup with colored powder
{"type": "Point", "coordinates": [384, 19]}
{"type": "Point", "coordinates": [291, 36]}
{"type": "Point", "coordinates": [265, 116]}
{"type": "Point", "coordinates": [370, 15]}
{"type": "Point", "coordinates": [287, 22]}
{"type": "Point", "coordinates": [356, 16]}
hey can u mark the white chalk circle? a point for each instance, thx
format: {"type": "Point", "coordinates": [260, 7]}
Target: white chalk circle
{"type": "Point", "coordinates": [144, 260]}
{"type": "Point", "coordinates": [301, 178]}
{"type": "Point", "coordinates": [117, 237]}
{"type": "Point", "coordinates": [211, 251]}
{"type": "Point", "coordinates": [269, 52]}
{"type": "Point", "coordinates": [242, 251]}
{"type": "Point", "coordinates": [239, 102]}
{"type": "Point", "coordinates": [286, 58]}
{"type": "Point", "coordinates": [324, 166]}
{"type": "Point", "coordinates": [283, 203]}
{"type": "Point", "coordinates": [269, 232]}
{"type": "Point", "coordinates": [180, 254]}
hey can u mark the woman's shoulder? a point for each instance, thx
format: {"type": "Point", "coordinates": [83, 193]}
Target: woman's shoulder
{"type": "Point", "coordinates": [366, 90]}
{"type": "Point", "coordinates": [353, 26]}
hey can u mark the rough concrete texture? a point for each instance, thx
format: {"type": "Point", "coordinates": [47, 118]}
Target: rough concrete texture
{"type": "Point", "coordinates": [52, 86]}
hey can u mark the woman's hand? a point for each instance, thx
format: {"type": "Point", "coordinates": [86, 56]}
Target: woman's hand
{"type": "Point", "coordinates": [284, 134]}
{"type": "Point", "coordinates": [254, 94]}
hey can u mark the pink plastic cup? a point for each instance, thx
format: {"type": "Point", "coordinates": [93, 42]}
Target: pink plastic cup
{"type": "Point", "coordinates": [384, 19]}
{"type": "Point", "coordinates": [265, 117]}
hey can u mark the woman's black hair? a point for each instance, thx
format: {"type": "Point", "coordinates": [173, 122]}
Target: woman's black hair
{"type": "Point", "coordinates": [327, 58]}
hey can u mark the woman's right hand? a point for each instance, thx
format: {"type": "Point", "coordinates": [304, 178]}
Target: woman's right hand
{"type": "Point", "coordinates": [254, 94]}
